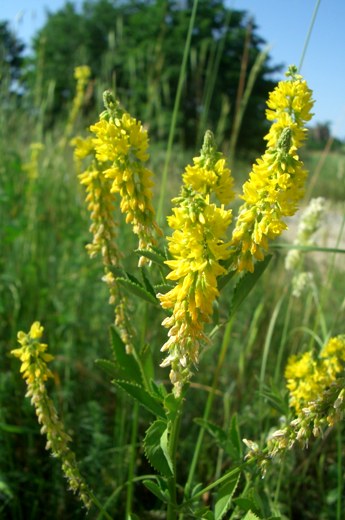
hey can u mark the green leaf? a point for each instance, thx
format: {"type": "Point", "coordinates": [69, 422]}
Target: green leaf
{"type": "Point", "coordinates": [142, 396]}
{"type": "Point", "coordinates": [156, 490]}
{"type": "Point", "coordinates": [223, 280]}
{"type": "Point", "coordinates": [155, 446]}
{"type": "Point", "coordinates": [5, 491]}
{"type": "Point", "coordinates": [213, 429]}
{"type": "Point", "coordinates": [158, 390]}
{"type": "Point", "coordinates": [246, 284]}
{"type": "Point", "coordinates": [154, 256]}
{"type": "Point", "coordinates": [172, 406]}
{"type": "Point", "coordinates": [203, 513]}
{"type": "Point", "coordinates": [128, 365]}
{"type": "Point", "coordinates": [109, 367]}
{"type": "Point", "coordinates": [235, 438]}
{"type": "Point", "coordinates": [12, 428]}
{"type": "Point", "coordinates": [147, 362]}
{"type": "Point", "coordinates": [137, 289]}
{"type": "Point", "coordinates": [247, 504]}
{"type": "Point", "coordinates": [251, 516]}
{"type": "Point", "coordinates": [163, 288]}
{"type": "Point", "coordinates": [229, 440]}
{"type": "Point", "coordinates": [147, 282]}
{"type": "Point", "coordinates": [224, 496]}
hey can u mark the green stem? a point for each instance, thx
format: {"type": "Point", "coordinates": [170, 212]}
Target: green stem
{"type": "Point", "coordinates": [339, 472]}
{"type": "Point", "coordinates": [282, 344]}
{"type": "Point", "coordinates": [132, 459]}
{"type": "Point", "coordinates": [309, 34]}
{"type": "Point", "coordinates": [173, 442]}
{"type": "Point", "coordinates": [175, 111]}
{"type": "Point", "coordinates": [135, 420]}
{"type": "Point", "coordinates": [267, 346]}
{"type": "Point", "coordinates": [209, 402]}
{"type": "Point", "coordinates": [99, 506]}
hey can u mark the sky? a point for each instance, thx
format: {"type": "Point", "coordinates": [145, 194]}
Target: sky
{"type": "Point", "coordinates": [284, 24]}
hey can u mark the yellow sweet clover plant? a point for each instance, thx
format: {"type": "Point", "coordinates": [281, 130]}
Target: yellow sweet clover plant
{"type": "Point", "coordinates": [120, 146]}
{"type": "Point", "coordinates": [276, 183]}
{"type": "Point", "coordinates": [202, 247]}
{"type": "Point", "coordinates": [82, 75]}
{"type": "Point", "coordinates": [316, 386]}
{"type": "Point", "coordinates": [117, 152]}
{"type": "Point", "coordinates": [34, 358]}
{"type": "Point", "coordinates": [197, 246]}
{"type": "Point", "coordinates": [309, 376]}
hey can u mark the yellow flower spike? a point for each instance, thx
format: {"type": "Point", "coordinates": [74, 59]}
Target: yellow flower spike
{"type": "Point", "coordinates": [197, 246]}
{"type": "Point", "coordinates": [121, 144]}
{"type": "Point", "coordinates": [209, 174]}
{"type": "Point", "coordinates": [82, 75]}
{"type": "Point", "coordinates": [309, 377]}
{"type": "Point", "coordinates": [276, 183]}
{"type": "Point", "coordinates": [31, 167]}
{"type": "Point", "coordinates": [35, 372]}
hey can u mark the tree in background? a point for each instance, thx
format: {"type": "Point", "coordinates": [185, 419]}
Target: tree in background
{"type": "Point", "coordinates": [11, 56]}
{"type": "Point", "coordinates": [136, 48]}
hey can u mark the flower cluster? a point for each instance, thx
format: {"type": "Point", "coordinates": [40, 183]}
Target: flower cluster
{"type": "Point", "coordinates": [118, 153]}
{"type": "Point", "coordinates": [308, 377]}
{"type": "Point", "coordinates": [34, 358]}
{"type": "Point", "coordinates": [277, 179]}
{"type": "Point", "coordinates": [100, 204]}
{"type": "Point", "coordinates": [120, 146]}
{"type": "Point", "coordinates": [31, 167]}
{"type": "Point", "coordinates": [198, 247]}
{"type": "Point", "coordinates": [81, 75]}
{"type": "Point", "coordinates": [317, 395]}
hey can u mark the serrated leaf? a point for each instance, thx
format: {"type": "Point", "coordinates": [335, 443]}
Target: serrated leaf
{"type": "Point", "coordinates": [109, 367]}
{"type": "Point", "coordinates": [129, 367]}
{"type": "Point", "coordinates": [155, 446]}
{"type": "Point", "coordinates": [152, 255]}
{"type": "Point", "coordinates": [246, 284]}
{"type": "Point", "coordinates": [156, 490]}
{"type": "Point", "coordinates": [143, 397]}
{"type": "Point", "coordinates": [159, 390]}
{"type": "Point", "coordinates": [225, 495]}
{"type": "Point", "coordinates": [137, 289]}
{"type": "Point", "coordinates": [117, 271]}
{"type": "Point", "coordinates": [251, 516]}
{"type": "Point", "coordinates": [163, 288]}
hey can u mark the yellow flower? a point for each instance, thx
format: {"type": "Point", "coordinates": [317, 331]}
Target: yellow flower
{"type": "Point", "coordinates": [31, 167]}
{"type": "Point", "coordinates": [120, 145]}
{"type": "Point", "coordinates": [276, 183]}
{"type": "Point", "coordinates": [197, 247]}
{"type": "Point", "coordinates": [34, 358]}
{"type": "Point", "coordinates": [308, 377]}
{"type": "Point", "coordinates": [209, 172]}
{"type": "Point", "coordinates": [82, 75]}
